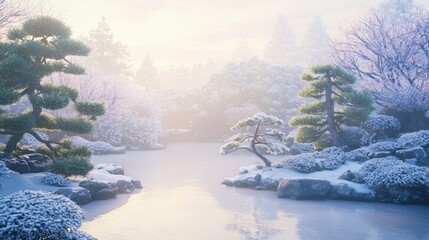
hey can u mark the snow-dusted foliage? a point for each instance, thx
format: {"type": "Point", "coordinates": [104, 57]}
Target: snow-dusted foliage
{"type": "Point", "coordinates": [383, 146]}
{"type": "Point", "coordinates": [39, 215]}
{"type": "Point", "coordinates": [381, 122]}
{"type": "Point", "coordinates": [135, 125]}
{"type": "Point", "coordinates": [390, 172]}
{"type": "Point", "coordinates": [98, 147]}
{"type": "Point", "coordinates": [357, 155]}
{"type": "Point", "coordinates": [268, 139]}
{"type": "Point", "coordinates": [382, 126]}
{"type": "Point", "coordinates": [4, 171]}
{"type": "Point", "coordinates": [328, 159]}
{"type": "Point", "coordinates": [388, 51]}
{"type": "Point", "coordinates": [230, 147]}
{"type": "Point", "coordinates": [55, 180]}
{"type": "Point", "coordinates": [414, 139]}
{"type": "Point", "coordinates": [262, 119]}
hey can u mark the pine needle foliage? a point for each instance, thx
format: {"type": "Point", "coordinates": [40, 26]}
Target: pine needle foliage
{"type": "Point", "coordinates": [335, 104]}
{"type": "Point", "coordinates": [39, 48]}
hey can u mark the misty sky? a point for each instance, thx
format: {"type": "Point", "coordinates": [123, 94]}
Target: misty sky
{"type": "Point", "coordinates": [177, 32]}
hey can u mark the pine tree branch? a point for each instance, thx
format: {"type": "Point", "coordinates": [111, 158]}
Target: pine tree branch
{"type": "Point", "coordinates": [247, 137]}
{"type": "Point", "coordinates": [46, 142]}
{"type": "Point", "coordinates": [246, 148]}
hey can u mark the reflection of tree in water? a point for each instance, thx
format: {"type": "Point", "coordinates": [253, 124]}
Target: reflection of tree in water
{"type": "Point", "coordinates": [251, 226]}
{"type": "Point", "coordinates": [261, 221]}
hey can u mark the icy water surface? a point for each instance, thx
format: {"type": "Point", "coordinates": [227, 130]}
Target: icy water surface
{"type": "Point", "coordinates": [183, 199]}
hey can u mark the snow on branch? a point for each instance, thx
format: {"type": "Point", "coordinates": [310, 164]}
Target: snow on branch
{"type": "Point", "coordinates": [258, 119]}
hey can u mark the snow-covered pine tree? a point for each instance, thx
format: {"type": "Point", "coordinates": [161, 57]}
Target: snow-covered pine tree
{"type": "Point", "coordinates": [335, 103]}
{"type": "Point", "coordinates": [267, 139]}
{"type": "Point", "coordinates": [315, 46]}
{"type": "Point", "coordinates": [36, 50]}
{"type": "Point", "coordinates": [281, 49]}
{"type": "Point", "coordinates": [110, 56]}
{"type": "Point", "coordinates": [146, 74]}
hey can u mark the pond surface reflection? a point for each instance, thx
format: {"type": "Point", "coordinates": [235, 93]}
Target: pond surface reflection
{"type": "Point", "coordinates": [183, 199]}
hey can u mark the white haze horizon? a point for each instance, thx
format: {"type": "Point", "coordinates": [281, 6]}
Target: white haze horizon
{"type": "Point", "coordinates": [182, 33]}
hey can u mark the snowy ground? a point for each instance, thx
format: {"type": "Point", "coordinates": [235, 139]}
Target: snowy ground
{"type": "Point", "coordinates": [276, 174]}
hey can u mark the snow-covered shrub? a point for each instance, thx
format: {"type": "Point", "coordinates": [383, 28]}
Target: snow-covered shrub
{"type": "Point", "coordinates": [376, 164]}
{"type": "Point", "coordinates": [357, 155]}
{"type": "Point", "coordinates": [98, 147]}
{"type": "Point", "coordinates": [383, 146]}
{"type": "Point", "coordinates": [390, 172]}
{"type": "Point", "coordinates": [328, 159]}
{"type": "Point", "coordinates": [39, 215]}
{"type": "Point", "coordinates": [4, 171]}
{"type": "Point", "coordinates": [55, 180]}
{"type": "Point", "coordinates": [414, 139]}
{"type": "Point", "coordinates": [136, 125]}
{"type": "Point", "coordinates": [382, 125]}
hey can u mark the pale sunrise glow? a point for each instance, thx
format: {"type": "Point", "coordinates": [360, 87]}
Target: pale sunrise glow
{"type": "Point", "coordinates": [186, 32]}
{"type": "Point", "coordinates": [214, 119]}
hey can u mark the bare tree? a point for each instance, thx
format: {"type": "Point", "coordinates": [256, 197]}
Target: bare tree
{"type": "Point", "coordinates": [388, 50]}
{"type": "Point", "coordinates": [12, 12]}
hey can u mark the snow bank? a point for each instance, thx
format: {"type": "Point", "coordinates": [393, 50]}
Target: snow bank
{"type": "Point", "coordinates": [328, 159]}
{"type": "Point", "coordinates": [270, 177]}
{"type": "Point", "coordinates": [98, 147]}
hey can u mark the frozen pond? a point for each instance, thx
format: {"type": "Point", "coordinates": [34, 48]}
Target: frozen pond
{"type": "Point", "coordinates": [183, 199]}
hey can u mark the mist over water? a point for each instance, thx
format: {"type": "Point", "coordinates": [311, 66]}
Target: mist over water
{"type": "Point", "coordinates": [183, 199]}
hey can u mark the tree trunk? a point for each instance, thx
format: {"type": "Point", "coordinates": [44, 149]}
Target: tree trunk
{"type": "Point", "coordinates": [255, 151]}
{"type": "Point", "coordinates": [332, 128]}
{"type": "Point", "coordinates": [13, 142]}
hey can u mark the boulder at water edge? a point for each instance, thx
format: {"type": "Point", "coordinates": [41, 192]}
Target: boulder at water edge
{"type": "Point", "coordinates": [100, 190]}
{"type": "Point", "coordinates": [303, 188]}
{"type": "Point", "coordinates": [78, 195]}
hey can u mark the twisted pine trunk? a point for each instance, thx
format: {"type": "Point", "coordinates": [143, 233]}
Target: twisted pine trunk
{"type": "Point", "coordinates": [13, 142]}
{"type": "Point", "coordinates": [255, 151]}
{"type": "Point", "coordinates": [332, 128]}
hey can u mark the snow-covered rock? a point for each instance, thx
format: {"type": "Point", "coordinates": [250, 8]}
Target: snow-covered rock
{"type": "Point", "coordinates": [27, 163]}
{"type": "Point", "coordinates": [111, 168]}
{"type": "Point", "coordinates": [354, 137]}
{"type": "Point", "coordinates": [328, 159]}
{"type": "Point", "coordinates": [415, 152]}
{"type": "Point", "coordinates": [414, 139]}
{"type": "Point", "coordinates": [303, 188]}
{"type": "Point", "coordinates": [100, 190]}
{"type": "Point", "coordinates": [98, 147]}
{"type": "Point", "coordinates": [39, 215]}
{"type": "Point", "coordinates": [344, 191]}
{"type": "Point", "coordinates": [37, 162]}
{"type": "Point", "coordinates": [125, 186]}
{"type": "Point", "coordinates": [54, 180]}
{"type": "Point", "coordinates": [16, 164]}
{"type": "Point", "coordinates": [78, 195]}
{"type": "Point", "coordinates": [299, 148]}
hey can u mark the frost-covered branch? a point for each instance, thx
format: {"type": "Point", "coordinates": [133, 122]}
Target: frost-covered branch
{"type": "Point", "coordinates": [266, 139]}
